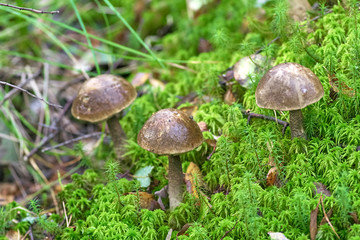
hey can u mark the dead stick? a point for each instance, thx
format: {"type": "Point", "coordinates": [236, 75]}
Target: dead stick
{"type": "Point", "coordinates": [28, 9]}
{"type": "Point", "coordinates": [52, 135]}
{"type": "Point", "coordinates": [72, 140]}
{"type": "Point", "coordinates": [326, 217]}
{"type": "Point", "coordinates": [34, 96]}
{"type": "Point", "coordinates": [229, 231]}
{"type": "Point", "coordinates": [22, 84]}
{"type": "Point", "coordinates": [250, 115]}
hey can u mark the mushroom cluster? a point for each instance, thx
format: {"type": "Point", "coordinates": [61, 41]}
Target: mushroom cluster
{"type": "Point", "coordinates": [289, 87]}
{"type": "Point", "coordinates": [101, 98]}
{"type": "Point", "coordinates": [171, 132]}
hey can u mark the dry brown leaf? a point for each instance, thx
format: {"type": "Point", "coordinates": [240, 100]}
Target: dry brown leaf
{"type": "Point", "coordinates": [7, 193]}
{"type": "Point", "coordinates": [183, 229]}
{"type": "Point", "coordinates": [354, 217]}
{"type": "Point", "coordinates": [321, 189]}
{"type": "Point", "coordinates": [203, 126]}
{"type": "Point", "coordinates": [140, 79]}
{"type": "Point", "coordinates": [337, 87]}
{"type": "Point", "coordinates": [190, 110]}
{"type": "Point", "coordinates": [146, 200]}
{"type": "Point", "coordinates": [157, 83]}
{"type": "Point", "coordinates": [211, 142]}
{"type": "Point", "coordinates": [272, 177]}
{"type": "Point", "coordinates": [298, 9]}
{"type": "Point", "coordinates": [204, 46]}
{"type": "Point", "coordinates": [313, 222]}
{"type": "Point", "coordinates": [13, 235]}
{"type": "Point", "coordinates": [229, 97]}
{"type": "Point", "coordinates": [192, 174]}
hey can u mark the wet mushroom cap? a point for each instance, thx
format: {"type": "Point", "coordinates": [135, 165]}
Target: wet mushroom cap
{"type": "Point", "coordinates": [101, 97]}
{"type": "Point", "coordinates": [170, 132]}
{"type": "Point", "coordinates": [288, 86]}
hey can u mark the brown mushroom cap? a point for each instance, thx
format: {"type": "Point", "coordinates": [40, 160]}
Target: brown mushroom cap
{"type": "Point", "coordinates": [101, 97]}
{"type": "Point", "coordinates": [288, 86]}
{"type": "Point", "coordinates": [170, 132]}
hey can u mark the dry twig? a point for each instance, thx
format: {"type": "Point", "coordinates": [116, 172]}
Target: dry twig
{"type": "Point", "coordinates": [11, 93]}
{"type": "Point", "coordinates": [29, 9]}
{"type": "Point", "coordinates": [34, 96]}
{"type": "Point", "coordinates": [72, 141]}
{"type": "Point", "coordinates": [326, 217]}
{"type": "Point", "coordinates": [250, 115]}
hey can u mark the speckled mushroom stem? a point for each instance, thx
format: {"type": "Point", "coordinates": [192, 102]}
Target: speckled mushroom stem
{"type": "Point", "coordinates": [118, 137]}
{"type": "Point", "coordinates": [296, 124]}
{"type": "Point", "coordinates": [176, 179]}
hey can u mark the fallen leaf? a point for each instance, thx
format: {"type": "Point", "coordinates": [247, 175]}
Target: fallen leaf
{"type": "Point", "coordinates": [203, 126]}
{"type": "Point", "coordinates": [7, 193]}
{"type": "Point", "coordinates": [204, 46]}
{"type": "Point", "coordinates": [321, 189]}
{"type": "Point", "coordinates": [277, 236]}
{"type": "Point", "coordinates": [192, 178]}
{"type": "Point", "coordinates": [246, 68]}
{"type": "Point", "coordinates": [146, 200]}
{"type": "Point", "coordinates": [157, 84]}
{"type": "Point", "coordinates": [272, 177]}
{"type": "Point", "coordinates": [142, 175]}
{"type": "Point", "coordinates": [183, 229]}
{"type": "Point", "coordinates": [313, 222]}
{"type": "Point", "coordinates": [298, 9]}
{"type": "Point", "coordinates": [189, 110]}
{"type": "Point", "coordinates": [229, 97]}
{"type": "Point", "coordinates": [13, 235]}
{"type": "Point", "coordinates": [211, 142]}
{"type": "Point", "coordinates": [354, 217]}
{"type": "Point", "coordinates": [140, 79]}
{"type": "Point", "coordinates": [194, 7]}
{"type": "Point", "coordinates": [162, 193]}
{"type": "Point", "coordinates": [337, 87]}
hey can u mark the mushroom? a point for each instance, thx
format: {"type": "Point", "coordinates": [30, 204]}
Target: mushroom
{"type": "Point", "coordinates": [101, 98]}
{"type": "Point", "coordinates": [289, 87]}
{"type": "Point", "coordinates": [171, 132]}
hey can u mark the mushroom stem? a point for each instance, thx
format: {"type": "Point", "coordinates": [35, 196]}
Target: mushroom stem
{"type": "Point", "coordinates": [176, 179]}
{"type": "Point", "coordinates": [118, 136]}
{"type": "Point", "coordinates": [296, 124]}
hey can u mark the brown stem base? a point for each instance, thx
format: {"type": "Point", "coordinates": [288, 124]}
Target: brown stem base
{"type": "Point", "coordinates": [296, 124]}
{"type": "Point", "coordinates": [176, 179]}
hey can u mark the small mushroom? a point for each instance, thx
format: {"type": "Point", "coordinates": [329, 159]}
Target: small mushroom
{"type": "Point", "coordinates": [99, 99]}
{"type": "Point", "coordinates": [171, 132]}
{"type": "Point", "coordinates": [289, 87]}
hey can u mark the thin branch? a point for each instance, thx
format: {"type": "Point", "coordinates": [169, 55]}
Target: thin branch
{"type": "Point", "coordinates": [34, 96]}
{"type": "Point", "coordinates": [72, 140]}
{"type": "Point", "coordinates": [52, 135]}
{"type": "Point", "coordinates": [326, 217]}
{"type": "Point", "coordinates": [29, 9]}
{"type": "Point", "coordinates": [10, 94]}
{"type": "Point", "coordinates": [229, 231]}
{"type": "Point", "coordinates": [250, 115]}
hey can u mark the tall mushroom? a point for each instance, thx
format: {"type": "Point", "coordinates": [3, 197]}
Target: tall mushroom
{"type": "Point", "coordinates": [171, 132]}
{"type": "Point", "coordinates": [101, 98]}
{"type": "Point", "coordinates": [289, 87]}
